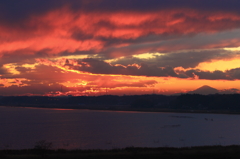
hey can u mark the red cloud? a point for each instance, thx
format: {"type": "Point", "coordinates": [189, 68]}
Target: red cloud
{"type": "Point", "coordinates": [64, 30]}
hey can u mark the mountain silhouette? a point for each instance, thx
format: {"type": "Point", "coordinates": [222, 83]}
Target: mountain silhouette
{"type": "Point", "coordinates": [205, 90]}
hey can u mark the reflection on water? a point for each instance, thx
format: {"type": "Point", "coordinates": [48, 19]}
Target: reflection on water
{"type": "Point", "coordinates": [85, 129]}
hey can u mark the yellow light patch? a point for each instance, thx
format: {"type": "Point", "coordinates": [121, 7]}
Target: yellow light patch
{"type": "Point", "coordinates": [221, 65]}
{"type": "Point", "coordinates": [31, 66]}
{"type": "Point", "coordinates": [232, 48]}
{"type": "Point", "coordinates": [11, 68]}
{"type": "Point", "coordinates": [147, 55]}
{"type": "Point", "coordinates": [75, 83]}
{"type": "Point", "coordinates": [11, 82]}
{"type": "Point", "coordinates": [71, 57]}
{"type": "Point", "coordinates": [114, 60]}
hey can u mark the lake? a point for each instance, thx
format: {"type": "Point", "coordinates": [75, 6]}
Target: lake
{"type": "Point", "coordinates": [88, 129]}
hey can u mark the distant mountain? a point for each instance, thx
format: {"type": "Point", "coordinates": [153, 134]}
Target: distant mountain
{"type": "Point", "coordinates": [205, 90]}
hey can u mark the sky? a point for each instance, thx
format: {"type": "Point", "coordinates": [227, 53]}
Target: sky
{"type": "Point", "coordinates": [118, 47]}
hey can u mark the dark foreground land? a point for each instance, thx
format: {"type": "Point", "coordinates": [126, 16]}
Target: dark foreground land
{"type": "Point", "coordinates": [218, 102]}
{"type": "Point", "coordinates": [185, 103]}
{"type": "Point", "coordinates": [204, 152]}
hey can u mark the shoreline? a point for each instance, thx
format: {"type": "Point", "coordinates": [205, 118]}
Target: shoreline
{"type": "Point", "coordinates": [150, 110]}
{"type": "Point", "coordinates": [199, 152]}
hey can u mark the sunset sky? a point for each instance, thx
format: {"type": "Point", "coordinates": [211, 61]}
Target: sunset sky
{"type": "Point", "coordinates": [97, 47]}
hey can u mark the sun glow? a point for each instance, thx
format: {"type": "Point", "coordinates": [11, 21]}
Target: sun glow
{"type": "Point", "coordinates": [221, 65]}
{"type": "Point", "coordinates": [75, 83]}
{"type": "Point", "coordinates": [147, 55]}
{"type": "Point", "coordinates": [232, 48]}
{"type": "Point", "coordinates": [11, 68]}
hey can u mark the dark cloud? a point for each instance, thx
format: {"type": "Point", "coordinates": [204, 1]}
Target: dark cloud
{"type": "Point", "coordinates": [17, 11]}
{"type": "Point", "coordinates": [24, 8]}
{"type": "Point", "coordinates": [215, 75]}
{"type": "Point", "coordinates": [234, 73]}
{"type": "Point", "coordinates": [3, 71]}
{"type": "Point", "coordinates": [50, 73]}
{"type": "Point", "coordinates": [58, 89]}
{"type": "Point", "coordinates": [171, 43]}
{"type": "Point", "coordinates": [188, 59]}
{"type": "Point", "coordinates": [23, 70]}
{"type": "Point", "coordinates": [38, 89]}
{"type": "Point", "coordinates": [23, 56]}
{"type": "Point", "coordinates": [101, 67]}
{"type": "Point", "coordinates": [78, 34]}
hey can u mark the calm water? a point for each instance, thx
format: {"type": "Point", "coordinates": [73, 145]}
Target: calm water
{"type": "Point", "coordinates": [85, 129]}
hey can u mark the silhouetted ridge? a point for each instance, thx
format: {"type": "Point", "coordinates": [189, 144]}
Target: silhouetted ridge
{"type": "Point", "coordinates": [204, 90]}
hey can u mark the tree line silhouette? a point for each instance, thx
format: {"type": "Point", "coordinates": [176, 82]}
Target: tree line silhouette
{"type": "Point", "coordinates": [180, 102]}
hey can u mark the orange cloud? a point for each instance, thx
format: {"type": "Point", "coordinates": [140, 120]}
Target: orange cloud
{"type": "Point", "coordinates": [55, 80]}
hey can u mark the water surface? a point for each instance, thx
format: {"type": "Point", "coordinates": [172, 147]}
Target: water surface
{"type": "Point", "coordinates": [87, 129]}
